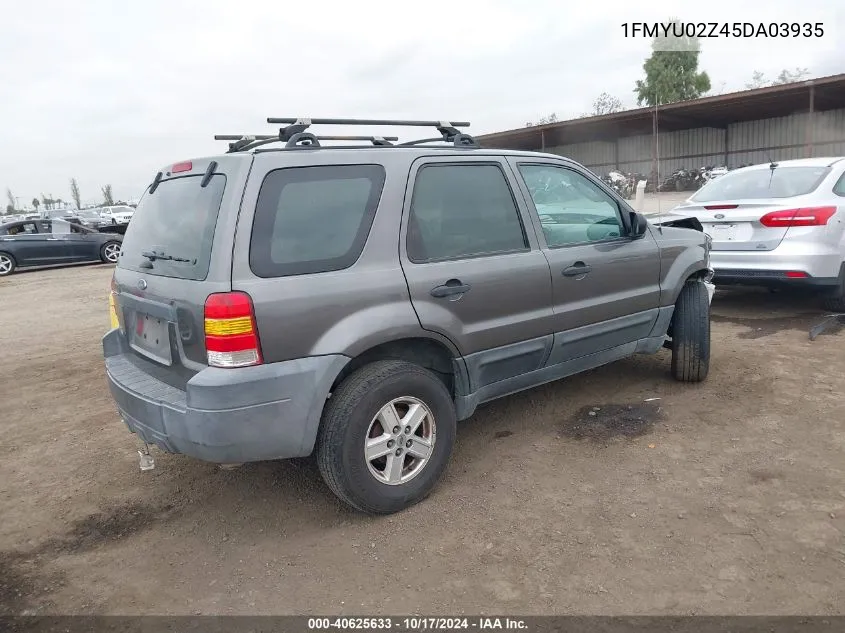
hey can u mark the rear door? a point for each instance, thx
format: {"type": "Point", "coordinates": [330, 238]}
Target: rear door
{"type": "Point", "coordinates": [82, 246]}
{"type": "Point", "coordinates": [35, 245]}
{"type": "Point", "coordinates": [160, 301]}
{"type": "Point", "coordinates": [473, 265]}
{"type": "Point", "coordinates": [606, 285]}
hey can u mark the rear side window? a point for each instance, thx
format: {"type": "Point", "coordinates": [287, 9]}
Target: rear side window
{"type": "Point", "coordinates": [760, 184]}
{"type": "Point", "coordinates": [313, 219]}
{"type": "Point", "coordinates": [460, 211]}
{"type": "Point", "coordinates": [176, 221]}
{"type": "Point", "coordinates": [839, 187]}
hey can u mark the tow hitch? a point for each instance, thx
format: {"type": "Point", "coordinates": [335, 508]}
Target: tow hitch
{"type": "Point", "coordinates": [145, 460]}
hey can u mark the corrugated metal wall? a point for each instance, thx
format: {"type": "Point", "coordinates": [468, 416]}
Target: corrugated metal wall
{"type": "Point", "coordinates": [747, 143]}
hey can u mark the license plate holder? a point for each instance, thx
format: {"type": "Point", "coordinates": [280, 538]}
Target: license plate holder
{"type": "Point", "coordinates": [722, 232]}
{"type": "Point", "coordinates": [151, 337]}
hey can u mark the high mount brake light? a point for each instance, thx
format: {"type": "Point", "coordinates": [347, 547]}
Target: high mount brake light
{"type": "Point", "coordinates": [180, 167]}
{"type": "Point", "coordinates": [231, 336]}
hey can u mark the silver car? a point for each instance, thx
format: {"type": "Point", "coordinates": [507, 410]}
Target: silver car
{"type": "Point", "coordinates": [777, 224]}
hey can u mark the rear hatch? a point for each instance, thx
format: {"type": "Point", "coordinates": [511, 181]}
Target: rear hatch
{"type": "Point", "coordinates": [177, 250]}
{"type": "Point", "coordinates": [752, 209]}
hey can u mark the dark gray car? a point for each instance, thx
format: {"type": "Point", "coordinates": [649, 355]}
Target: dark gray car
{"type": "Point", "coordinates": [50, 242]}
{"type": "Point", "coordinates": [355, 302]}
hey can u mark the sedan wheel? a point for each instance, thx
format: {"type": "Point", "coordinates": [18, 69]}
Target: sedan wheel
{"type": "Point", "coordinates": [111, 251]}
{"type": "Point", "coordinates": [7, 264]}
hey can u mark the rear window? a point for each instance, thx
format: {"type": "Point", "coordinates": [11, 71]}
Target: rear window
{"type": "Point", "coordinates": [313, 219]}
{"type": "Point", "coordinates": [755, 184]}
{"type": "Point", "coordinates": [176, 220]}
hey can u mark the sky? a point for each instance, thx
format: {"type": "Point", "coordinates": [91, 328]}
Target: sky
{"type": "Point", "coordinates": [109, 92]}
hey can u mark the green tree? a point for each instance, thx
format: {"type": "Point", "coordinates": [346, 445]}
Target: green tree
{"type": "Point", "coordinates": [74, 193]}
{"type": "Point", "coordinates": [10, 208]}
{"type": "Point", "coordinates": [108, 200]}
{"type": "Point", "coordinates": [35, 203]}
{"type": "Point", "coordinates": [758, 80]}
{"type": "Point", "coordinates": [790, 76]}
{"type": "Point", "coordinates": [11, 198]}
{"type": "Point", "coordinates": [786, 76]}
{"type": "Point", "coordinates": [605, 104]}
{"type": "Point", "coordinates": [552, 118]}
{"type": "Point", "coordinates": [671, 72]}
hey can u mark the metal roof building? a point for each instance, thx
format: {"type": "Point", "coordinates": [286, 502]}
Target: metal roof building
{"type": "Point", "coordinates": [794, 120]}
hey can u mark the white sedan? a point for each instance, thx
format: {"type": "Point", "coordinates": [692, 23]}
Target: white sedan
{"type": "Point", "coordinates": [776, 224]}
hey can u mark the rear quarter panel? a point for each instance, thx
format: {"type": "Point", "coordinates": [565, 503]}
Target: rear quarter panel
{"type": "Point", "coordinates": [342, 312]}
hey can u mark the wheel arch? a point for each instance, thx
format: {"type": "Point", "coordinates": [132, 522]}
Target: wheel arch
{"type": "Point", "coordinates": [433, 353]}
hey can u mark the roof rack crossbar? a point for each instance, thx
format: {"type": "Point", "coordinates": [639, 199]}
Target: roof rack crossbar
{"type": "Point", "coordinates": [398, 122]}
{"type": "Point", "coordinates": [448, 129]}
{"type": "Point", "coordinates": [275, 137]}
{"type": "Point", "coordinates": [243, 142]}
{"type": "Point", "coordinates": [294, 133]}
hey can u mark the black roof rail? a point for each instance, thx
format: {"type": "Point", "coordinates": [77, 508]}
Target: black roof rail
{"type": "Point", "coordinates": [448, 130]}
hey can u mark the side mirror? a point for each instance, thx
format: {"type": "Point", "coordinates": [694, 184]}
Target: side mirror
{"type": "Point", "coordinates": [639, 225]}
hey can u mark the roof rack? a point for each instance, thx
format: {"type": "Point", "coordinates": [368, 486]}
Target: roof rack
{"type": "Point", "coordinates": [300, 139]}
{"type": "Point", "coordinates": [294, 134]}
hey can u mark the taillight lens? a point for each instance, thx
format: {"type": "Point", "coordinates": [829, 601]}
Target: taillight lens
{"type": "Point", "coordinates": [809, 216]}
{"type": "Point", "coordinates": [114, 322]}
{"type": "Point", "coordinates": [231, 337]}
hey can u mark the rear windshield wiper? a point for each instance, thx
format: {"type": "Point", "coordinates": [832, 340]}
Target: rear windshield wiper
{"type": "Point", "coordinates": [152, 256]}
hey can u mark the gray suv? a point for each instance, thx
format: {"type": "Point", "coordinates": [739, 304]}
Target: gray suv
{"type": "Point", "coordinates": [355, 301]}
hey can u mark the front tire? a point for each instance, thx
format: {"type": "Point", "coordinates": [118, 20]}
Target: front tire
{"type": "Point", "coordinates": [7, 264]}
{"type": "Point", "coordinates": [386, 436]}
{"type": "Point", "coordinates": [691, 333]}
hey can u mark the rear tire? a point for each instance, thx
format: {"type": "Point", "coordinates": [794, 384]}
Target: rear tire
{"type": "Point", "coordinates": [7, 264]}
{"type": "Point", "coordinates": [109, 252]}
{"type": "Point", "coordinates": [835, 302]}
{"type": "Point", "coordinates": [352, 416]}
{"type": "Point", "coordinates": [691, 333]}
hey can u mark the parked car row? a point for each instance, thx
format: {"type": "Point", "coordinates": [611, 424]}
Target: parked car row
{"type": "Point", "coordinates": [53, 241]}
{"type": "Point", "coordinates": [94, 217]}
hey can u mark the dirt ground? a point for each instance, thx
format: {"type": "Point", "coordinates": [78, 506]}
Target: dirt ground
{"type": "Point", "coordinates": [582, 497]}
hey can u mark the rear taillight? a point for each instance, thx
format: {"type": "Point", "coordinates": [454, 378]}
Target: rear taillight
{"type": "Point", "coordinates": [809, 216]}
{"type": "Point", "coordinates": [114, 322]}
{"type": "Point", "coordinates": [796, 274]}
{"type": "Point", "coordinates": [717, 207]}
{"type": "Point", "coordinates": [231, 337]}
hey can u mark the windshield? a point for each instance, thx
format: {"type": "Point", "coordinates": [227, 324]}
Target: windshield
{"type": "Point", "coordinates": [755, 184]}
{"type": "Point", "coordinates": [176, 220]}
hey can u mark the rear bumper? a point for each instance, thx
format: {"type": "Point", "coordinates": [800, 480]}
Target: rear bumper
{"type": "Point", "coordinates": [822, 265]}
{"type": "Point", "coordinates": [224, 415]}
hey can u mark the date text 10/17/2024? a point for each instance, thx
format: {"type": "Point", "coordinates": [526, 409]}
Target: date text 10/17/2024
{"type": "Point", "coordinates": [417, 624]}
{"type": "Point", "coordinates": [723, 29]}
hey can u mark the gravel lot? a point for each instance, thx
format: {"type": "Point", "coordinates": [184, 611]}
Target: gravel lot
{"type": "Point", "coordinates": [725, 497]}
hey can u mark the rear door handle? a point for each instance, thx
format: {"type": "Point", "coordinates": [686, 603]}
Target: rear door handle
{"type": "Point", "coordinates": [450, 288]}
{"type": "Point", "coordinates": [577, 269]}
